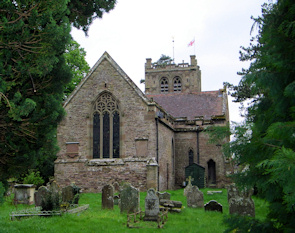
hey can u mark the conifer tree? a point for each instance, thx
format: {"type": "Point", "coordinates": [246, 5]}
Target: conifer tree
{"type": "Point", "coordinates": [33, 75]}
{"type": "Point", "coordinates": [265, 146]}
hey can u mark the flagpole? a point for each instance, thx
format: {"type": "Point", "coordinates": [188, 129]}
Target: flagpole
{"type": "Point", "coordinates": [195, 46]}
{"type": "Point", "coordinates": [173, 47]}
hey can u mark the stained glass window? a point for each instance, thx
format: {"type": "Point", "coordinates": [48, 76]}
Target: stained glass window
{"type": "Point", "coordinates": [106, 127]}
{"type": "Point", "coordinates": [116, 135]}
{"type": "Point", "coordinates": [96, 135]}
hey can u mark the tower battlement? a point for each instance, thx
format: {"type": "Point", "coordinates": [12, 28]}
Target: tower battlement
{"type": "Point", "coordinates": [168, 78]}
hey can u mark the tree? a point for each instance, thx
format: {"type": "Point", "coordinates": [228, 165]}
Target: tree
{"type": "Point", "coordinates": [33, 75]}
{"type": "Point", "coordinates": [265, 145]}
{"type": "Point", "coordinates": [75, 59]}
{"type": "Point", "coordinates": [163, 61]}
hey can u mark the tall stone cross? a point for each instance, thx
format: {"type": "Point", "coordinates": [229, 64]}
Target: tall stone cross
{"type": "Point", "coordinates": [190, 179]}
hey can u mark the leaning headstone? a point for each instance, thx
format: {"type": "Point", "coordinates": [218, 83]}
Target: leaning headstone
{"type": "Point", "coordinates": [164, 195]}
{"type": "Point", "coordinates": [152, 208]}
{"type": "Point", "coordinates": [129, 199]}
{"type": "Point", "coordinates": [107, 198]}
{"type": "Point", "coordinates": [240, 202]}
{"type": "Point", "coordinates": [213, 206]}
{"type": "Point", "coordinates": [54, 187]}
{"type": "Point", "coordinates": [195, 198]}
{"type": "Point", "coordinates": [41, 195]}
{"type": "Point", "coordinates": [116, 187]}
{"type": "Point", "coordinates": [189, 186]}
{"type": "Point", "coordinates": [68, 194]}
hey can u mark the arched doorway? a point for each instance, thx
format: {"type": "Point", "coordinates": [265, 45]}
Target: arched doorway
{"type": "Point", "coordinates": [211, 172]}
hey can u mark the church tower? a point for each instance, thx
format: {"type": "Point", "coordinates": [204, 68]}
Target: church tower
{"type": "Point", "coordinates": [172, 78]}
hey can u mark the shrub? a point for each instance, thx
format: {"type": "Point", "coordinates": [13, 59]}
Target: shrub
{"type": "Point", "coordinates": [33, 178]}
{"type": "Point", "coordinates": [2, 191]}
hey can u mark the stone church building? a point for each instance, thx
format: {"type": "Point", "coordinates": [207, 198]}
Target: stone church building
{"type": "Point", "coordinates": [113, 132]}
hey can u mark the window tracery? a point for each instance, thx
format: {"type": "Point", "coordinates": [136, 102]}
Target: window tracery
{"type": "Point", "coordinates": [106, 127]}
{"type": "Point", "coordinates": [177, 86]}
{"type": "Point", "coordinates": [164, 85]}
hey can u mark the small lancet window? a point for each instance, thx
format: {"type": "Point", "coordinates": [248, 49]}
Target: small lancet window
{"type": "Point", "coordinates": [190, 157]}
{"type": "Point", "coordinates": [177, 84]}
{"type": "Point", "coordinates": [164, 85]}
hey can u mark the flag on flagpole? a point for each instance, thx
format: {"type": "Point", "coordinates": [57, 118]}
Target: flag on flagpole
{"type": "Point", "coordinates": [191, 43]}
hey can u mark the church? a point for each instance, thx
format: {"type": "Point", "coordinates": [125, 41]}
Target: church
{"type": "Point", "coordinates": [113, 132]}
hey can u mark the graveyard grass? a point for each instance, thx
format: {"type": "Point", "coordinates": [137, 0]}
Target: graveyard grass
{"type": "Point", "coordinates": [97, 220]}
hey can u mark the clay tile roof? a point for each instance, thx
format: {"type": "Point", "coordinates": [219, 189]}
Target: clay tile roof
{"type": "Point", "coordinates": [191, 105]}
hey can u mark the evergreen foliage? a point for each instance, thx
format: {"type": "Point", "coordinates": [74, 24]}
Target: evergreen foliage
{"type": "Point", "coordinates": [265, 144]}
{"type": "Point", "coordinates": [75, 59]}
{"type": "Point", "coordinates": [34, 36]}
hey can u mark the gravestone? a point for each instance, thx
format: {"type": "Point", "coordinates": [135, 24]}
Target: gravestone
{"type": "Point", "coordinates": [189, 186]}
{"type": "Point", "coordinates": [213, 206]}
{"type": "Point", "coordinates": [41, 195]}
{"type": "Point", "coordinates": [54, 187]}
{"type": "Point", "coordinates": [68, 194]}
{"type": "Point", "coordinates": [24, 193]}
{"type": "Point", "coordinates": [107, 197]}
{"type": "Point", "coordinates": [164, 195]}
{"type": "Point", "coordinates": [195, 198]}
{"type": "Point", "coordinates": [129, 199]}
{"type": "Point", "coordinates": [240, 202]}
{"type": "Point", "coordinates": [116, 187]}
{"type": "Point", "coordinates": [152, 208]}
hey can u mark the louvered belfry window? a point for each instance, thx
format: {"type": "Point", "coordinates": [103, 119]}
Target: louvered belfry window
{"type": "Point", "coordinates": [177, 84]}
{"type": "Point", "coordinates": [164, 85]}
{"type": "Point", "coordinates": [106, 127]}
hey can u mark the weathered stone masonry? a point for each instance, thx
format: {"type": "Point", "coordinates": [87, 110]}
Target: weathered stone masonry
{"type": "Point", "coordinates": [153, 139]}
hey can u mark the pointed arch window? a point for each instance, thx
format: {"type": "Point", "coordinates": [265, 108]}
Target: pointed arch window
{"type": "Point", "coordinates": [177, 87]}
{"type": "Point", "coordinates": [164, 85]}
{"type": "Point", "coordinates": [106, 127]}
{"type": "Point", "coordinates": [190, 156]}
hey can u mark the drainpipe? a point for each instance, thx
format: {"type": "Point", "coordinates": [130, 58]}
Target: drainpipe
{"type": "Point", "coordinates": [198, 150]}
{"type": "Point", "coordinates": [157, 149]}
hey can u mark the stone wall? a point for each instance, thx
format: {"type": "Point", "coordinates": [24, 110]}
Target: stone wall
{"type": "Point", "coordinates": [137, 123]}
{"type": "Point", "coordinates": [91, 176]}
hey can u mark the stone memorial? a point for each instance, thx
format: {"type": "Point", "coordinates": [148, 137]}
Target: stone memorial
{"type": "Point", "coordinates": [189, 186]}
{"type": "Point", "coordinates": [240, 202]}
{"type": "Point", "coordinates": [164, 195]}
{"type": "Point", "coordinates": [129, 199]}
{"type": "Point", "coordinates": [195, 198]}
{"type": "Point", "coordinates": [116, 187]}
{"type": "Point", "coordinates": [24, 193]}
{"type": "Point", "coordinates": [152, 208]}
{"type": "Point", "coordinates": [41, 195]}
{"type": "Point", "coordinates": [68, 194]}
{"type": "Point", "coordinates": [107, 197]}
{"type": "Point", "coordinates": [213, 206]}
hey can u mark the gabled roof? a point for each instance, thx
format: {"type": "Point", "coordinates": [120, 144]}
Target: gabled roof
{"type": "Point", "coordinates": [198, 104]}
{"type": "Point", "coordinates": [107, 57]}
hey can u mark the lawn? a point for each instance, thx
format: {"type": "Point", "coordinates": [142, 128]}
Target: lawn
{"type": "Point", "coordinates": [97, 220]}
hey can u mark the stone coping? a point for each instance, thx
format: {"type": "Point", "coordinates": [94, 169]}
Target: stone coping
{"type": "Point", "coordinates": [105, 162]}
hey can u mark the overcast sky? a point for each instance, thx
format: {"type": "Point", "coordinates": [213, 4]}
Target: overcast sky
{"type": "Point", "coordinates": [140, 29]}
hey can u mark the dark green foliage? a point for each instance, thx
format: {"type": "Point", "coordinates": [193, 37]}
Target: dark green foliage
{"type": "Point", "coordinates": [33, 177]}
{"type": "Point", "coordinates": [247, 224]}
{"type": "Point", "coordinates": [265, 144]}
{"type": "Point", "coordinates": [82, 13]}
{"type": "Point", "coordinates": [51, 202]}
{"type": "Point", "coordinates": [75, 59]}
{"type": "Point", "coordinates": [163, 60]}
{"type": "Point", "coordinates": [34, 71]}
{"type": "Point", "coordinates": [2, 191]}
